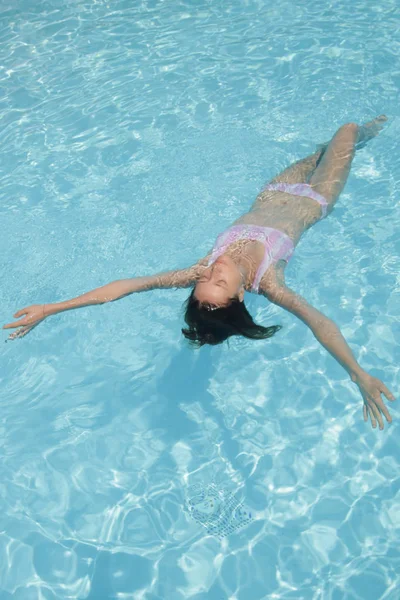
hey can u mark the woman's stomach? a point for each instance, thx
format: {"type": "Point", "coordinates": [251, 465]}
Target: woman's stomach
{"type": "Point", "coordinates": [290, 214]}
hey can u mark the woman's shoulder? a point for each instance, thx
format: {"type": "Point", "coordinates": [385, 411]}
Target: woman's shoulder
{"type": "Point", "coordinates": [273, 279]}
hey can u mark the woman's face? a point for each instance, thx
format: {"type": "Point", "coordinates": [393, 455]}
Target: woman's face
{"type": "Point", "coordinates": [219, 284]}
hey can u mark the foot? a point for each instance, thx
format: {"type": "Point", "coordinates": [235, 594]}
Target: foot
{"type": "Point", "coordinates": [370, 130]}
{"type": "Point", "coordinates": [365, 133]}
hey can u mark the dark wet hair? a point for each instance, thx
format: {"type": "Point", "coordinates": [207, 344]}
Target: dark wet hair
{"type": "Point", "coordinates": [215, 326]}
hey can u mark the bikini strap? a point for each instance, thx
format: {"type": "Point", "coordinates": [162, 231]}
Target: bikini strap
{"type": "Point", "coordinates": [278, 246]}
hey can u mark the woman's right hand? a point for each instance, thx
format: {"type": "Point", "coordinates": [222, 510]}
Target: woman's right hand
{"type": "Point", "coordinates": [34, 314]}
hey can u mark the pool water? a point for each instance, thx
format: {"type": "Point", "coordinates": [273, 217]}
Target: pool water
{"type": "Point", "coordinates": [131, 466]}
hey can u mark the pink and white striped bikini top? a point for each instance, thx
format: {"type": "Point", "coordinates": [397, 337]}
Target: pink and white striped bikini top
{"type": "Point", "coordinates": [278, 246]}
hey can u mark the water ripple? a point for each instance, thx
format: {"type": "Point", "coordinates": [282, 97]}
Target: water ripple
{"type": "Point", "coordinates": [119, 119]}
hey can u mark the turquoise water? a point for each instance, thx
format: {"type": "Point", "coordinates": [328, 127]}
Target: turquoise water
{"type": "Point", "coordinates": [131, 466]}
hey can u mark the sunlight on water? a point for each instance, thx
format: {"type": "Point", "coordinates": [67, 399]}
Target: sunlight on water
{"type": "Point", "coordinates": [132, 466]}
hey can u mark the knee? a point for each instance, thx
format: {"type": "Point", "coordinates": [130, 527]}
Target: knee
{"type": "Point", "coordinates": [350, 129]}
{"type": "Point", "coordinates": [347, 136]}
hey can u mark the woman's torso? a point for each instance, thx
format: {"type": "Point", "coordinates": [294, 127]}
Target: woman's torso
{"type": "Point", "coordinates": [277, 210]}
{"type": "Point", "coordinates": [288, 213]}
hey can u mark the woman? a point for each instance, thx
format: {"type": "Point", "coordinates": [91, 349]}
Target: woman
{"type": "Point", "coordinates": [252, 256]}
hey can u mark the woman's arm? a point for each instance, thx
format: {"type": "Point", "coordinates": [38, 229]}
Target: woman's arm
{"type": "Point", "coordinates": [330, 336]}
{"type": "Point", "coordinates": [323, 328]}
{"type": "Point", "coordinates": [124, 287]}
{"type": "Point", "coordinates": [115, 290]}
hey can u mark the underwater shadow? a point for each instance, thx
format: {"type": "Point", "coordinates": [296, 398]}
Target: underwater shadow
{"type": "Point", "coordinates": [187, 379]}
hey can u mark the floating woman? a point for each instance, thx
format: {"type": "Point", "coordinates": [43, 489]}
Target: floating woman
{"type": "Point", "coordinates": [251, 255]}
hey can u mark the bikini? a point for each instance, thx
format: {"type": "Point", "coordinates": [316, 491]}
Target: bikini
{"type": "Point", "coordinates": [278, 245]}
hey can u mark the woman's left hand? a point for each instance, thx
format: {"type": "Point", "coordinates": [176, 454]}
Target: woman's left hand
{"type": "Point", "coordinates": [371, 389]}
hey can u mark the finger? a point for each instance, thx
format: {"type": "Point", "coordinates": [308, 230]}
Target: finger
{"type": "Point", "coordinates": [13, 335]}
{"type": "Point", "coordinates": [23, 331]}
{"type": "Point", "coordinates": [20, 333]}
{"type": "Point", "coordinates": [387, 392]}
{"type": "Point", "coordinates": [365, 413]}
{"type": "Point", "coordinates": [21, 312]}
{"type": "Point", "coordinates": [372, 417]}
{"type": "Point", "coordinates": [381, 406]}
{"type": "Point", "coordinates": [15, 324]}
{"type": "Point", "coordinates": [377, 414]}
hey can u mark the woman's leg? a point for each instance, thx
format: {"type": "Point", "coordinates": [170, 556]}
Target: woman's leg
{"type": "Point", "coordinates": [328, 168]}
{"type": "Point", "coordinates": [330, 176]}
{"type": "Point", "coordinates": [300, 171]}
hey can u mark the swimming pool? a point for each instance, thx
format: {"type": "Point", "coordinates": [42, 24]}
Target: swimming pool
{"type": "Point", "coordinates": [132, 134]}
